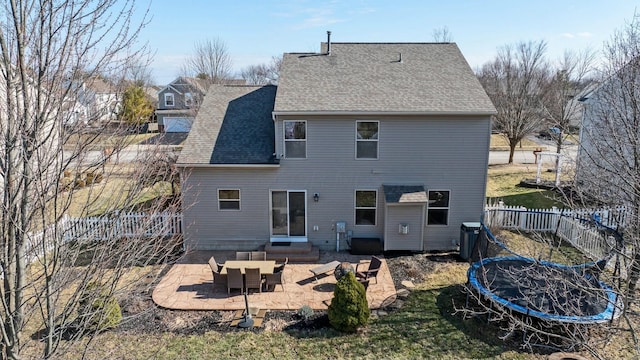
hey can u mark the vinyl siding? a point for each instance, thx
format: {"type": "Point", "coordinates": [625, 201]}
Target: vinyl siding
{"type": "Point", "coordinates": [441, 153]}
{"type": "Point", "coordinates": [413, 216]}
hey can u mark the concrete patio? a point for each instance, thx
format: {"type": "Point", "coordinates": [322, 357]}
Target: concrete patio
{"type": "Point", "coordinates": [188, 285]}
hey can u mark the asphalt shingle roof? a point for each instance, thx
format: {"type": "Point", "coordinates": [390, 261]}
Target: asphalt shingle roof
{"type": "Point", "coordinates": [233, 126]}
{"type": "Point", "coordinates": [381, 77]}
{"type": "Point", "coordinates": [404, 194]}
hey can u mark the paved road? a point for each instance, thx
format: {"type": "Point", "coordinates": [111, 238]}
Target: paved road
{"type": "Point", "coordinates": [131, 153]}
{"type": "Point", "coordinates": [527, 157]}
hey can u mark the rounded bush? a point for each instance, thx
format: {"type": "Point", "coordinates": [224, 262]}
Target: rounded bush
{"type": "Point", "coordinates": [349, 308]}
{"type": "Point", "coordinates": [102, 311]}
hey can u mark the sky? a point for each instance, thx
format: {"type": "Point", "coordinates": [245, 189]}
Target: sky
{"type": "Point", "coordinates": [256, 30]}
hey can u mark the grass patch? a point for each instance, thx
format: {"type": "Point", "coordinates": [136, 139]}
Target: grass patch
{"type": "Point", "coordinates": [425, 328]}
{"type": "Point", "coordinates": [503, 181]}
{"type": "Point", "coordinates": [499, 142]}
{"type": "Point", "coordinates": [541, 246]}
{"type": "Point", "coordinates": [101, 141]}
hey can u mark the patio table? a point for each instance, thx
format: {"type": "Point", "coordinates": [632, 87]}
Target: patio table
{"type": "Point", "coordinates": [265, 266]}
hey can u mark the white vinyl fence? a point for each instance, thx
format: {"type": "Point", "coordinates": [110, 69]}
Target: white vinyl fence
{"type": "Point", "coordinates": [97, 228]}
{"type": "Point", "coordinates": [573, 226]}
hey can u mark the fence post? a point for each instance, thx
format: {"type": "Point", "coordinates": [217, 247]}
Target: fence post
{"type": "Point", "coordinates": [523, 217]}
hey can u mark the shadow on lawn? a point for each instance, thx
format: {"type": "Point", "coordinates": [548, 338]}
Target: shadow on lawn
{"type": "Point", "coordinates": [423, 326]}
{"type": "Point", "coordinates": [426, 324]}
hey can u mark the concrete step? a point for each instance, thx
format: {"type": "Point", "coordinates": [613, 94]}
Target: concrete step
{"type": "Point", "coordinates": [296, 252]}
{"type": "Point", "coordinates": [289, 248]}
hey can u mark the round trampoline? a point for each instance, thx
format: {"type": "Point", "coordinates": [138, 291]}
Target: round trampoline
{"type": "Point", "coordinates": [544, 290]}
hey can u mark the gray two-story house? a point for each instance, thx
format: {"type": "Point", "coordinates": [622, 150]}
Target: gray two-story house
{"type": "Point", "coordinates": [378, 140]}
{"type": "Point", "coordinates": [178, 104]}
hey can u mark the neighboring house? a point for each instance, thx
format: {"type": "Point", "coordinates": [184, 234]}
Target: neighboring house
{"type": "Point", "coordinates": [392, 139]}
{"type": "Point", "coordinates": [178, 104]}
{"type": "Point", "coordinates": [97, 101]}
{"type": "Point", "coordinates": [608, 159]}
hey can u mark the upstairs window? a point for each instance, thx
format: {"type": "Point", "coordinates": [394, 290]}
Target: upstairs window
{"type": "Point", "coordinates": [295, 139]}
{"type": "Point", "coordinates": [366, 201]}
{"type": "Point", "coordinates": [367, 139]}
{"type": "Point", "coordinates": [438, 207]}
{"type": "Point", "coordinates": [188, 99]}
{"type": "Point", "coordinates": [169, 100]}
{"type": "Point", "coordinates": [228, 199]}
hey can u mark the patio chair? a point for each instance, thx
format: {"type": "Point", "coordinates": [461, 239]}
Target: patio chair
{"type": "Point", "coordinates": [219, 279]}
{"type": "Point", "coordinates": [259, 255]}
{"type": "Point", "coordinates": [215, 269]}
{"type": "Point", "coordinates": [252, 279]}
{"type": "Point", "coordinates": [280, 267]}
{"type": "Point", "coordinates": [234, 280]}
{"type": "Point", "coordinates": [364, 283]}
{"type": "Point", "coordinates": [213, 264]}
{"type": "Point", "coordinates": [275, 278]}
{"type": "Point", "coordinates": [243, 255]}
{"type": "Point", "coordinates": [372, 271]}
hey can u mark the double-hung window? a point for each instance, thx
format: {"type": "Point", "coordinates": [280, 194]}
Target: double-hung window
{"type": "Point", "coordinates": [438, 207]}
{"type": "Point", "coordinates": [169, 99]}
{"type": "Point", "coordinates": [367, 139]}
{"type": "Point", "coordinates": [366, 201]}
{"type": "Point", "coordinates": [228, 199]}
{"type": "Point", "coordinates": [295, 139]}
{"type": "Point", "coordinates": [188, 99]}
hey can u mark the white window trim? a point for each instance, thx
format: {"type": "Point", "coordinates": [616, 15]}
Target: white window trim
{"type": "Point", "coordinates": [288, 237]}
{"type": "Point", "coordinates": [355, 207]}
{"type": "Point", "coordinates": [448, 208]}
{"type": "Point", "coordinates": [230, 200]}
{"type": "Point", "coordinates": [173, 97]}
{"type": "Point", "coordinates": [367, 140]}
{"type": "Point", "coordinates": [188, 96]}
{"type": "Point", "coordinates": [285, 140]}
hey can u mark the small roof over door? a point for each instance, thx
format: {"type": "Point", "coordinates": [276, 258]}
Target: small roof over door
{"type": "Point", "coordinates": [404, 194]}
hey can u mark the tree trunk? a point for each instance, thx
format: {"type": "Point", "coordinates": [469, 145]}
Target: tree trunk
{"type": "Point", "coordinates": [512, 150]}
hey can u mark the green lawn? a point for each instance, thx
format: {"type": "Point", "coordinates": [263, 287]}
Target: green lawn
{"type": "Point", "coordinates": [503, 184]}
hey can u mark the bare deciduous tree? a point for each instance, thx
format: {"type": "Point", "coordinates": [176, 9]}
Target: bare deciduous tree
{"type": "Point", "coordinates": [211, 61]}
{"type": "Point", "coordinates": [541, 305]}
{"type": "Point", "coordinates": [263, 74]}
{"type": "Point", "coordinates": [570, 78]}
{"type": "Point", "coordinates": [442, 35]}
{"type": "Point", "coordinates": [139, 73]}
{"type": "Point", "coordinates": [561, 96]}
{"type": "Point", "coordinates": [50, 169]}
{"type": "Point", "coordinates": [608, 169]}
{"type": "Point", "coordinates": [515, 83]}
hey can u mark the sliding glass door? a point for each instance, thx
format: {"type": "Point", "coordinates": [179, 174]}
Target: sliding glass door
{"type": "Point", "coordinates": [288, 213]}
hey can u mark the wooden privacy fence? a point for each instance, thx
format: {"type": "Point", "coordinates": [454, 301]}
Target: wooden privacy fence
{"type": "Point", "coordinates": [574, 226]}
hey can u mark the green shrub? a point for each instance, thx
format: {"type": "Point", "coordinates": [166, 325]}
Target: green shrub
{"type": "Point", "coordinates": [349, 308]}
{"type": "Point", "coordinates": [99, 309]}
